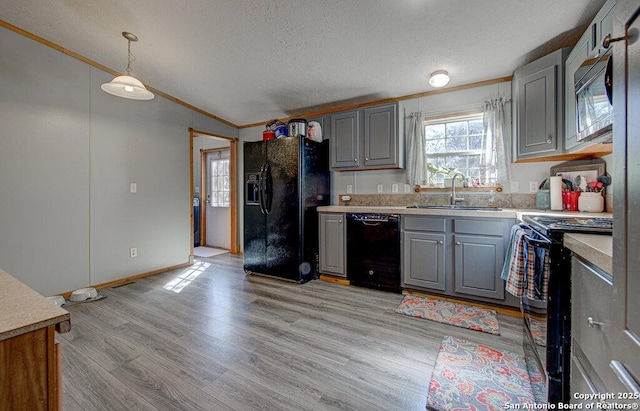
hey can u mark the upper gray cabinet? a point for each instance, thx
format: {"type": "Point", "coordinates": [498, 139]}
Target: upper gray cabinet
{"type": "Point", "coordinates": [367, 138]}
{"type": "Point", "coordinates": [345, 140]}
{"type": "Point", "coordinates": [538, 109]}
{"type": "Point", "coordinates": [588, 47]}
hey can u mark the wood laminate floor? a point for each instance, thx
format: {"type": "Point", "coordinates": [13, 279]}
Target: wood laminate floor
{"type": "Point", "coordinates": [209, 337]}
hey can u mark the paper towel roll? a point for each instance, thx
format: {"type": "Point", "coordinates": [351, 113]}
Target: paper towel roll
{"type": "Point", "coordinates": [555, 192]}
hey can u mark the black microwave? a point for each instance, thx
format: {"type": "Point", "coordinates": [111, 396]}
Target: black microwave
{"type": "Point", "coordinates": [593, 92]}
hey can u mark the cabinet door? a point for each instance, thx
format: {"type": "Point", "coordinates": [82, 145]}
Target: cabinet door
{"type": "Point", "coordinates": [345, 140]}
{"type": "Point", "coordinates": [332, 233]}
{"type": "Point", "coordinates": [592, 341]}
{"type": "Point", "coordinates": [380, 136]}
{"type": "Point", "coordinates": [424, 260]}
{"type": "Point", "coordinates": [536, 112]}
{"type": "Point", "coordinates": [477, 264]}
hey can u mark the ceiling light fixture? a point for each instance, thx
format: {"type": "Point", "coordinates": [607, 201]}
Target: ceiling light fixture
{"type": "Point", "coordinates": [128, 86]}
{"type": "Point", "coordinates": [439, 78]}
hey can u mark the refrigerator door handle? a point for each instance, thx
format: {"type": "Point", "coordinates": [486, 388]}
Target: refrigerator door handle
{"type": "Point", "coordinates": [261, 185]}
{"type": "Point", "coordinates": [267, 188]}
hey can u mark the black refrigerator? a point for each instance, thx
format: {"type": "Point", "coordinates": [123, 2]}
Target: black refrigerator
{"type": "Point", "coordinates": [286, 179]}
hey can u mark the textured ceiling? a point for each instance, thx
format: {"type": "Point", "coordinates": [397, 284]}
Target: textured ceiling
{"type": "Point", "coordinates": [248, 61]}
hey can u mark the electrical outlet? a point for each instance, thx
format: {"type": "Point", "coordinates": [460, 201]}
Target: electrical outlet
{"type": "Point", "coordinates": [533, 186]}
{"type": "Point", "coordinates": [394, 187]}
{"type": "Point", "coordinates": [133, 187]}
{"type": "Point", "coordinates": [349, 189]}
{"type": "Point", "coordinates": [515, 186]}
{"type": "Point", "coordinates": [133, 252]}
{"type": "Point", "coordinates": [407, 188]}
{"type": "Point", "coordinates": [380, 188]}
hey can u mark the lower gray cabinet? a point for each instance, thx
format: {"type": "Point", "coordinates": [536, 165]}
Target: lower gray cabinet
{"type": "Point", "coordinates": [593, 330]}
{"type": "Point", "coordinates": [478, 264]}
{"type": "Point", "coordinates": [456, 256]}
{"type": "Point", "coordinates": [424, 260]}
{"type": "Point", "coordinates": [332, 244]}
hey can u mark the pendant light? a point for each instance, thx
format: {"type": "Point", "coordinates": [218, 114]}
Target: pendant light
{"type": "Point", "coordinates": [128, 86]}
{"type": "Point", "coordinates": [439, 78]}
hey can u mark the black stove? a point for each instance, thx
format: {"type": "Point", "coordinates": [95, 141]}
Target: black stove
{"type": "Point", "coordinates": [587, 225]}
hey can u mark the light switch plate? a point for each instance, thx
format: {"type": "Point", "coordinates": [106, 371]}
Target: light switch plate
{"type": "Point", "coordinates": [394, 187]}
{"type": "Point", "coordinates": [407, 188]}
{"type": "Point", "coordinates": [349, 189]}
{"type": "Point", "coordinates": [380, 188]}
{"type": "Point", "coordinates": [133, 187]}
{"type": "Point", "coordinates": [515, 186]}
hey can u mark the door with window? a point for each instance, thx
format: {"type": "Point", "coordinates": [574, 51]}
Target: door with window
{"type": "Point", "coordinates": [217, 205]}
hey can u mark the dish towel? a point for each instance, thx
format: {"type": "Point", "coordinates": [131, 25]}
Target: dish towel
{"type": "Point", "coordinates": [515, 271]}
{"type": "Point", "coordinates": [510, 247]}
{"type": "Point", "coordinates": [526, 268]}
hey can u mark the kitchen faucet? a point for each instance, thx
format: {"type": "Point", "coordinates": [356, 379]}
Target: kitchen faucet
{"type": "Point", "coordinates": [455, 199]}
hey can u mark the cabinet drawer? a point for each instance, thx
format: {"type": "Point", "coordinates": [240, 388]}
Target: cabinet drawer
{"type": "Point", "coordinates": [482, 227]}
{"type": "Point", "coordinates": [592, 298]}
{"type": "Point", "coordinates": [424, 224]}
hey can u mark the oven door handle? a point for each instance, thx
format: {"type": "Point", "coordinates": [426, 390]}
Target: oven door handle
{"type": "Point", "coordinates": [542, 242]}
{"type": "Point", "coordinates": [537, 243]}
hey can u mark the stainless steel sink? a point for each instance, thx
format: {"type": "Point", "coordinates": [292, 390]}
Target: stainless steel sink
{"type": "Point", "coordinates": [454, 207]}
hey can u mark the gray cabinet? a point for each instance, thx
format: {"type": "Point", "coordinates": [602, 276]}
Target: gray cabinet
{"type": "Point", "coordinates": [424, 260]}
{"type": "Point", "coordinates": [588, 47]}
{"type": "Point", "coordinates": [345, 140]}
{"type": "Point", "coordinates": [538, 109]}
{"type": "Point", "coordinates": [479, 247]}
{"type": "Point", "coordinates": [478, 263]}
{"type": "Point", "coordinates": [332, 244]}
{"type": "Point", "coordinates": [367, 138]}
{"type": "Point", "coordinates": [592, 329]}
{"type": "Point", "coordinates": [455, 256]}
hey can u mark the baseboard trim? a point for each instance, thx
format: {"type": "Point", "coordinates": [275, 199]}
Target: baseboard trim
{"type": "Point", "coordinates": [332, 279]}
{"type": "Point", "coordinates": [133, 277]}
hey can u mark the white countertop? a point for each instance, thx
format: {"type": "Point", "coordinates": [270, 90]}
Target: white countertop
{"type": "Point", "coordinates": [595, 248]}
{"type": "Point", "coordinates": [502, 213]}
{"type": "Point", "coordinates": [23, 310]}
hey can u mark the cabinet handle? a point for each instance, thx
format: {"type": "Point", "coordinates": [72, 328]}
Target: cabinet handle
{"type": "Point", "coordinates": [440, 242]}
{"type": "Point", "coordinates": [625, 378]}
{"type": "Point", "coordinates": [355, 159]}
{"type": "Point", "coordinates": [458, 243]}
{"type": "Point", "coordinates": [591, 322]}
{"type": "Point", "coordinates": [607, 40]}
{"type": "Point", "coordinates": [366, 158]}
{"type": "Point", "coordinates": [340, 221]}
{"type": "Point", "coordinates": [549, 140]}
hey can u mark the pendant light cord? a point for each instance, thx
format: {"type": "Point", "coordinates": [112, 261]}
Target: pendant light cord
{"type": "Point", "coordinates": [129, 58]}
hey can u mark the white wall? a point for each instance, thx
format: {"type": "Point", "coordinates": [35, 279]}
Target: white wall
{"type": "Point", "coordinates": [68, 152]}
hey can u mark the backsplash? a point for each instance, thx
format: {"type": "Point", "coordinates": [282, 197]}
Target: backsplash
{"type": "Point", "coordinates": [502, 200]}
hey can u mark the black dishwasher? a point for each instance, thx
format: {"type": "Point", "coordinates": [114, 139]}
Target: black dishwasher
{"type": "Point", "coordinates": [373, 250]}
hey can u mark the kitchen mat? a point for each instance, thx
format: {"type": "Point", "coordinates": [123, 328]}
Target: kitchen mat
{"type": "Point", "coordinates": [460, 315]}
{"type": "Point", "coordinates": [475, 376]}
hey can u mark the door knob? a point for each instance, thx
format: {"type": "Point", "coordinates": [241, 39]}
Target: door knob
{"type": "Point", "coordinates": [591, 322]}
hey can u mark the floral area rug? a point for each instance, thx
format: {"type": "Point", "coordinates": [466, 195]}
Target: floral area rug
{"type": "Point", "coordinates": [465, 316]}
{"type": "Point", "coordinates": [469, 376]}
